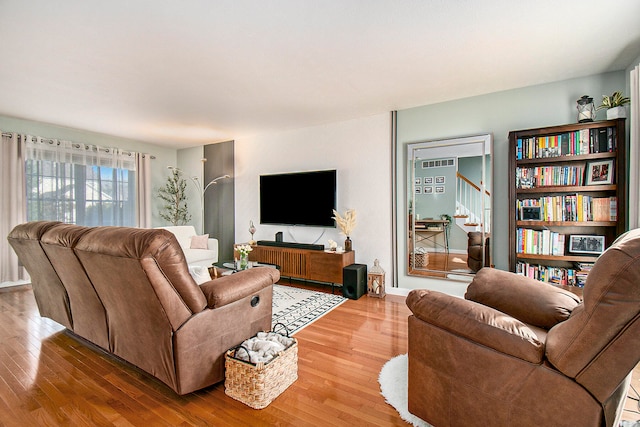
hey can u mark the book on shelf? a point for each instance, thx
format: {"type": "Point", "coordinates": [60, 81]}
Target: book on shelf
{"type": "Point", "coordinates": [540, 242]}
{"type": "Point", "coordinates": [571, 207]}
{"type": "Point", "coordinates": [566, 276]}
{"type": "Point", "coordinates": [584, 141]}
{"type": "Point", "coordinates": [544, 176]}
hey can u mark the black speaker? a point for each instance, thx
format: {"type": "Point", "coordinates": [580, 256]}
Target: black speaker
{"type": "Point", "coordinates": [354, 281]}
{"type": "Point", "coordinates": [279, 236]}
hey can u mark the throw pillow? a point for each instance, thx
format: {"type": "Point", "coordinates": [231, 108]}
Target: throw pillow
{"type": "Point", "coordinates": [200, 274]}
{"type": "Point", "coordinates": [200, 242]}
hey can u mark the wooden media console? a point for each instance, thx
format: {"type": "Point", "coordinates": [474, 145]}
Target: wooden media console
{"type": "Point", "coordinates": [306, 264]}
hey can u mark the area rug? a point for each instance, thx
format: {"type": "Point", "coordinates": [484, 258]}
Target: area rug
{"type": "Point", "coordinates": [298, 308]}
{"type": "Point", "coordinates": [394, 387]}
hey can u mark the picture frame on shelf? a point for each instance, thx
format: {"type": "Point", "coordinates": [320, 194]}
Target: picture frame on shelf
{"type": "Point", "coordinates": [599, 172]}
{"type": "Point", "coordinates": [439, 179]}
{"type": "Point", "coordinates": [531, 213]}
{"type": "Point", "coordinates": [428, 180]}
{"type": "Point", "coordinates": [428, 190]}
{"type": "Point", "coordinates": [586, 244]}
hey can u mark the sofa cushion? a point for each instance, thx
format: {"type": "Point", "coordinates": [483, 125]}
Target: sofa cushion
{"type": "Point", "coordinates": [200, 242]}
{"type": "Point", "coordinates": [530, 301]}
{"type": "Point", "coordinates": [183, 234]}
{"type": "Point", "coordinates": [195, 255]}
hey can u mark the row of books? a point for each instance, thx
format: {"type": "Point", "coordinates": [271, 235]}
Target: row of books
{"type": "Point", "coordinates": [570, 207]}
{"type": "Point", "coordinates": [541, 176]}
{"type": "Point", "coordinates": [539, 242]}
{"type": "Point", "coordinates": [557, 275]}
{"type": "Point", "coordinates": [583, 141]}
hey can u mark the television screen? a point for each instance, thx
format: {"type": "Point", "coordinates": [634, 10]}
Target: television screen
{"type": "Point", "coordinates": [300, 198]}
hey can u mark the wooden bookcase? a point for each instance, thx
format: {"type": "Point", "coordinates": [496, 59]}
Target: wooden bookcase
{"type": "Point", "coordinates": [533, 152]}
{"type": "Point", "coordinates": [306, 264]}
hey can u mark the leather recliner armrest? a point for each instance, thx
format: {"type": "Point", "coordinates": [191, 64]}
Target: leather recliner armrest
{"type": "Point", "coordinates": [528, 300]}
{"type": "Point", "coordinates": [477, 323]}
{"type": "Point", "coordinates": [227, 289]}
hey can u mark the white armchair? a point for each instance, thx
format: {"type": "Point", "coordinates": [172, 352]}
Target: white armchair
{"type": "Point", "coordinates": [194, 257]}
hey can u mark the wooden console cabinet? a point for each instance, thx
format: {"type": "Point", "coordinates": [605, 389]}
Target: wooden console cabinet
{"type": "Point", "coordinates": [305, 264]}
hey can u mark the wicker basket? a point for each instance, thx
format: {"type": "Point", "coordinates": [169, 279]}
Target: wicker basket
{"type": "Point", "coordinates": [421, 259]}
{"type": "Point", "coordinates": [257, 385]}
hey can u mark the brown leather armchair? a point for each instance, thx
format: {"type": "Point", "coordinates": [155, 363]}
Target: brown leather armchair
{"type": "Point", "coordinates": [478, 252]}
{"type": "Point", "coordinates": [518, 352]}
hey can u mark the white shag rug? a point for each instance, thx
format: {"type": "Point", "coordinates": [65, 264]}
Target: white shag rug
{"type": "Point", "coordinates": [297, 308]}
{"type": "Point", "coordinates": [393, 381]}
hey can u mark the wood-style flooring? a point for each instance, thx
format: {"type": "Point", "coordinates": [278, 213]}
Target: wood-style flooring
{"type": "Point", "coordinates": [49, 378]}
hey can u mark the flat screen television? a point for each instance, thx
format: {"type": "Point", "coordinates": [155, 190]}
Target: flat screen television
{"type": "Point", "coordinates": [298, 198]}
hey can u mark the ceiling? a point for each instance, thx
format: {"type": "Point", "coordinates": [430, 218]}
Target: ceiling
{"type": "Point", "coordinates": [191, 72]}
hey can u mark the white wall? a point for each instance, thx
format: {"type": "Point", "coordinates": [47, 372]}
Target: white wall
{"type": "Point", "coordinates": [496, 113]}
{"type": "Point", "coordinates": [358, 149]}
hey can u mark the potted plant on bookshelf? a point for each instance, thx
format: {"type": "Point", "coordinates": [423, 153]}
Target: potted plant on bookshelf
{"type": "Point", "coordinates": [615, 105]}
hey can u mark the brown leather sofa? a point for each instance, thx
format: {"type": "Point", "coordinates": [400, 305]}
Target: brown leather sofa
{"type": "Point", "coordinates": [517, 352]}
{"type": "Point", "coordinates": [129, 291]}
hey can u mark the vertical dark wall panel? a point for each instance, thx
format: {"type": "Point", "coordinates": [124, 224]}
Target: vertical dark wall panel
{"type": "Point", "coordinates": [219, 212]}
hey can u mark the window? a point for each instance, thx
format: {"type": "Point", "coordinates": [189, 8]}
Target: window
{"type": "Point", "coordinates": [79, 184]}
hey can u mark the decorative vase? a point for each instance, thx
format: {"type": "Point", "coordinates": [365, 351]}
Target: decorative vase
{"type": "Point", "coordinates": [244, 261]}
{"type": "Point", "coordinates": [347, 244]}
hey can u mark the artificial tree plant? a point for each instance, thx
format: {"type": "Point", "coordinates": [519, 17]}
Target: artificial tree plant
{"type": "Point", "coordinates": [173, 194]}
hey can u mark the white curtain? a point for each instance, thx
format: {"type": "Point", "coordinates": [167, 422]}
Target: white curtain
{"type": "Point", "coordinates": [634, 151]}
{"type": "Point", "coordinates": [143, 190]}
{"type": "Point", "coordinates": [12, 202]}
{"type": "Point", "coordinates": [80, 184]}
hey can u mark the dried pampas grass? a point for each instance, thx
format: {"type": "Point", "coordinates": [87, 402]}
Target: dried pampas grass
{"type": "Point", "coordinates": [346, 223]}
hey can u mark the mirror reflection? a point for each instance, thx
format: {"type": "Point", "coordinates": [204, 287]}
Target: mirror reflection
{"type": "Point", "coordinates": [449, 207]}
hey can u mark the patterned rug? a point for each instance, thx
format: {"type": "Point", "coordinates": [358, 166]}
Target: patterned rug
{"type": "Point", "coordinates": [297, 308]}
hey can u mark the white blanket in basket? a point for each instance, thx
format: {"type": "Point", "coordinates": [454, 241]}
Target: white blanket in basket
{"type": "Point", "coordinates": [263, 347]}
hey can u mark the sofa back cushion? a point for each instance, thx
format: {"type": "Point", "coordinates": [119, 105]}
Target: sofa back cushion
{"type": "Point", "coordinates": [183, 234]}
{"type": "Point", "coordinates": [600, 342]}
{"type": "Point", "coordinates": [142, 279]}
{"type": "Point", "coordinates": [51, 296]}
{"type": "Point", "coordinates": [89, 317]}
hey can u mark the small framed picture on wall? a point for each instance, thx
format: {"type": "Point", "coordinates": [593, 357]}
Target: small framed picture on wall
{"type": "Point", "coordinates": [418, 181]}
{"type": "Point", "coordinates": [418, 190]}
{"type": "Point", "coordinates": [440, 189]}
{"type": "Point", "coordinates": [428, 180]}
{"type": "Point", "coordinates": [428, 190]}
{"type": "Point", "coordinates": [440, 180]}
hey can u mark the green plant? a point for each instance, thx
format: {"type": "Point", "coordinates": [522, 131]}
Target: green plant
{"type": "Point", "coordinates": [447, 217]}
{"type": "Point", "coordinates": [615, 100]}
{"type": "Point", "coordinates": [175, 208]}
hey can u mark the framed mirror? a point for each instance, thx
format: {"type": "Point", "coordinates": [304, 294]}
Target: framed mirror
{"type": "Point", "coordinates": [448, 217]}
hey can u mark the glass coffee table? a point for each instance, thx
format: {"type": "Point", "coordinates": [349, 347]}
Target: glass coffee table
{"type": "Point", "coordinates": [225, 268]}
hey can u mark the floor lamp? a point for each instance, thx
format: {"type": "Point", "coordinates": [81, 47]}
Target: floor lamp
{"type": "Point", "coordinates": [201, 190]}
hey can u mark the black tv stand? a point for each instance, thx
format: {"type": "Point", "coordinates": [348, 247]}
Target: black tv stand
{"type": "Point", "coordinates": [308, 246]}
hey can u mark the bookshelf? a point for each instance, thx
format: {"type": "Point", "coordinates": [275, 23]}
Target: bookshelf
{"type": "Point", "coordinates": [565, 182]}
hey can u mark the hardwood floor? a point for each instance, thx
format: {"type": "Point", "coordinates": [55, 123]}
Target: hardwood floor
{"type": "Point", "coordinates": [49, 378]}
